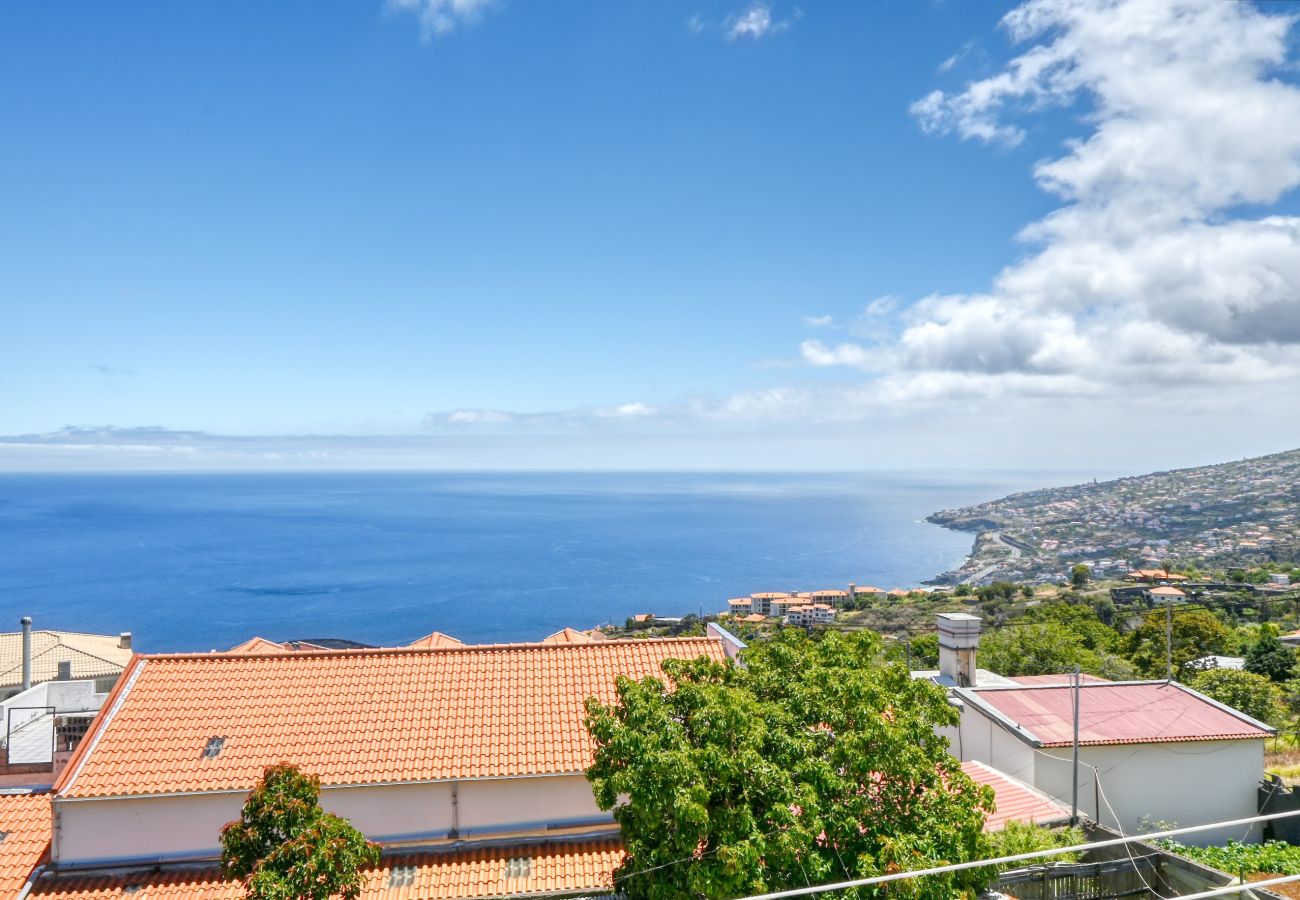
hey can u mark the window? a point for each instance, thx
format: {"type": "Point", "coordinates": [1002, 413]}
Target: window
{"type": "Point", "coordinates": [214, 746]}
{"type": "Point", "coordinates": [519, 867]}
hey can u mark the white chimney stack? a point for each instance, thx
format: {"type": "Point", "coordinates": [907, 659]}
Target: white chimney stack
{"type": "Point", "coordinates": [959, 638]}
{"type": "Point", "coordinates": [124, 640]}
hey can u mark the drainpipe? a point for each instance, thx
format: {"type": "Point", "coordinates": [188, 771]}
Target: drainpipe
{"type": "Point", "coordinates": [31, 883]}
{"type": "Point", "coordinates": [27, 652]}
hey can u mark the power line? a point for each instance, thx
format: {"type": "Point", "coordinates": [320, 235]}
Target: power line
{"type": "Point", "coordinates": [1023, 857]}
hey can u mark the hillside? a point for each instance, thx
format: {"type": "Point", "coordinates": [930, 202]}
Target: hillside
{"type": "Point", "coordinates": [1222, 515]}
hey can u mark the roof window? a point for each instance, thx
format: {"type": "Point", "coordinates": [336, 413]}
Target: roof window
{"type": "Point", "coordinates": [519, 867]}
{"type": "Point", "coordinates": [214, 746]}
{"type": "Point", "coordinates": [401, 876]}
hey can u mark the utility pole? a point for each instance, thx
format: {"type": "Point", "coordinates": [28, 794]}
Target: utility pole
{"type": "Point", "coordinates": [1074, 776]}
{"type": "Point", "coordinates": [1169, 638]}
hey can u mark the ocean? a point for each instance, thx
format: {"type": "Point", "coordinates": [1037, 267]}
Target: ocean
{"type": "Point", "coordinates": [204, 561]}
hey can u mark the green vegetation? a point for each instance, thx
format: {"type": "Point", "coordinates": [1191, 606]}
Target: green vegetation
{"type": "Point", "coordinates": [1271, 857]}
{"type": "Point", "coordinates": [1026, 837]}
{"type": "Point", "coordinates": [814, 763]}
{"type": "Point", "coordinates": [285, 847]}
{"type": "Point", "coordinates": [1252, 694]}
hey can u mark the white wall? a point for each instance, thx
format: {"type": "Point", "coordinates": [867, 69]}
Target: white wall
{"type": "Point", "coordinates": [188, 826]}
{"type": "Point", "coordinates": [981, 739]}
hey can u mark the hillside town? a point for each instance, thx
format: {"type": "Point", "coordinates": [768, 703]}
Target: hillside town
{"type": "Point", "coordinates": [1230, 515]}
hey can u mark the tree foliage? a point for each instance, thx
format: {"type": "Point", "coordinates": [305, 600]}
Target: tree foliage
{"type": "Point", "coordinates": [285, 847]}
{"type": "Point", "coordinates": [1247, 692]}
{"type": "Point", "coordinates": [1196, 633]}
{"type": "Point", "coordinates": [813, 762]}
{"type": "Point", "coordinates": [1269, 657]}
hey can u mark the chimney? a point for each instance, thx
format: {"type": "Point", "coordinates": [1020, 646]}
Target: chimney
{"type": "Point", "coordinates": [959, 637]}
{"type": "Point", "coordinates": [26, 622]}
{"type": "Point", "coordinates": [124, 640]}
{"type": "Point", "coordinates": [853, 591]}
{"type": "Point", "coordinates": [65, 670]}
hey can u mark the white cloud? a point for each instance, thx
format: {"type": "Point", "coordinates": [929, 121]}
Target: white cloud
{"type": "Point", "coordinates": [755, 23]}
{"type": "Point", "coordinates": [818, 321]}
{"type": "Point", "coordinates": [441, 17]}
{"type": "Point", "coordinates": [816, 353]}
{"type": "Point", "coordinates": [695, 24]}
{"type": "Point", "coordinates": [1150, 273]}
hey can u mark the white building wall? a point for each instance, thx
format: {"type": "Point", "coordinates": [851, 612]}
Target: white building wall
{"type": "Point", "coordinates": [139, 829]}
{"type": "Point", "coordinates": [979, 738]}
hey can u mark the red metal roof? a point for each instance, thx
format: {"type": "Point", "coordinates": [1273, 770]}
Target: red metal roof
{"type": "Point", "coordinates": [1014, 800]}
{"type": "Point", "coordinates": [1118, 713]}
{"type": "Point", "coordinates": [1056, 679]}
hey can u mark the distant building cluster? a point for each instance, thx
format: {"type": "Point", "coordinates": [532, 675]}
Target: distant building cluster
{"type": "Point", "coordinates": [801, 608]}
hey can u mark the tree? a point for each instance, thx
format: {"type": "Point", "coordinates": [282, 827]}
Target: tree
{"type": "Point", "coordinates": [1246, 692]}
{"type": "Point", "coordinates": [1079, 576]}
{"type": "Point", "coordinates": [1269, 657]}
{"type": "Point", "coordinates": [1196, 633]}
{"type": "Point", "coordinates": [1048, 647]}
{"type": "Point", "coordinates": [285, 847]}
{"type": "Point", "coordinates": [811, 763]}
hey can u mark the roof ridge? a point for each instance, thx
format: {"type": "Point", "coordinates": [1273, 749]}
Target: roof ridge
{"type": "Point", "coordinates": [466, 648]}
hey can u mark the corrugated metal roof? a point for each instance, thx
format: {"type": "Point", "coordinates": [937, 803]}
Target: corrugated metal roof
{"type": "Point", "coordinates": [1015, 801]}
{"type": "Point", "coordinates": [466, 874]}
{"type": "Point", "coordinates": [358, 717]}
{"type": "Point", "coordinates": [1117, 713]}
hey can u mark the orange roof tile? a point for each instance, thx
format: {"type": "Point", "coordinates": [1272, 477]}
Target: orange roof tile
{"type": "Point", "coordinates": [1013, 800]}
{"type": "Point", "coordinates": [553, 869]}
{"type": "Point", "coordinates": [567, 636]}
{"type": "Point", "coordinates": [435, 640]}
{"type": "Point", "coordinates": [25, 819]}
{"type": "Point", "coordinates": [357, 717]}
{"type": "Point", "coordinates": [258, 645]}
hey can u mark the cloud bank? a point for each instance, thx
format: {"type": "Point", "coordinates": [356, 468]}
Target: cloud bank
{"type": "Point", "coordinates": [1151, 271]}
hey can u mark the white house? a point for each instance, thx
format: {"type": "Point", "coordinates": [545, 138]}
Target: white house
{"type": "Point", "coordinates": [1149, 751]}
{"type": "Point", "coordinates": [465, 763]}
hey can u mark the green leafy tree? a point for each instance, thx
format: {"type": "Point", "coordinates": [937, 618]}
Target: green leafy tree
{"type": "Point", "coordinates": [1269, 657]}
{"type": "Point", "coordinates": [1196, 633]}
{"type": "Point", "coordinates": [1051, 646]}
{"type": "Point", "coordinates": [1247, 692]}
{"type": "Point", "coordinates": [811, 763]}
{"type": "Point", "coordinates": [285, 847]}
{"type": "Point", "coordinates": [1079, 576]}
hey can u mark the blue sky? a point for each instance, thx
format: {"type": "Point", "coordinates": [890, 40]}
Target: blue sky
{"type": "Point", "coordinates": [596, 226]}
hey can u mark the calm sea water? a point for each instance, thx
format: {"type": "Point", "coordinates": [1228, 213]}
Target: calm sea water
{"type": "Point", "coordinates": [196, 562]}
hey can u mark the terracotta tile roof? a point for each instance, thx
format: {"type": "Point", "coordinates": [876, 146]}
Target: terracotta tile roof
{"type": "Point", "coordinates": [258, 645]}
{"type": "Point", "coordinates": [434, 640]}
{"type": "Point", "coordinates": [91, 655]}
{"type": "Point", "coordinates": [1166, 592]}
{"type": "Point", "coordinates": [567, 636]}
{"type": "Point", "coordinates": [1116, 713]}
{"type": "Point", "coordinates": [551, 869]}
{"type": "Point", "coordinates": [25, 819]}
{"type": "Point", "coordinates": [357, 717]}
{"type": "Point", "coordinates": [1014, 801]}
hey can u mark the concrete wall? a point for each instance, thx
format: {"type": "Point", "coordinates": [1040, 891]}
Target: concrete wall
{"type": "Point", "coordinates": [1188, 783]}
{"type": "Point", "coordinates": [98, 831]}
{"type": "Point", "coordinates": [981, 739]}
